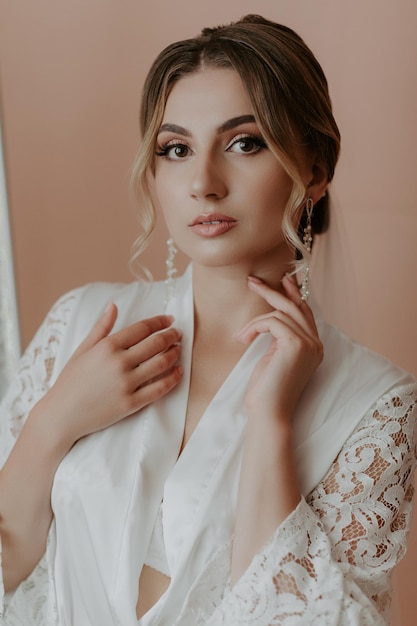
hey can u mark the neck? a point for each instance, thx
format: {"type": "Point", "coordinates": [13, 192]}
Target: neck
{"type": "Point", "coordinates": [223, 302]}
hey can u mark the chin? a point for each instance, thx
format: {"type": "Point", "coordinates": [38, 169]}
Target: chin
{"type": "Point", "coordinates": [210, 254]}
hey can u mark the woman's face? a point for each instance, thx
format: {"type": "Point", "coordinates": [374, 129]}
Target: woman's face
{"type": "Point", "coordinates": [221, 190]}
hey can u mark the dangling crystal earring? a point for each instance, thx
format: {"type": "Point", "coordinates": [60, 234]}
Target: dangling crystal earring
{"type": "Point", "coordinates": [171, 271]}
{"type": "Point", "coordinates": [307, 241]}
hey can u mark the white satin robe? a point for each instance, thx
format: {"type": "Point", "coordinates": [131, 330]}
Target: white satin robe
{"type": "Point", "coordinates": [108, 488]}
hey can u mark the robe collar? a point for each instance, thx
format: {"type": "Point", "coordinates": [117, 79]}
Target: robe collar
{"type": "Point", "coordinates": [108, 489]}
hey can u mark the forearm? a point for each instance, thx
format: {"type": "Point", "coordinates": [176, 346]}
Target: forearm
{"type": "Point", "coordinates": [268, 490]}
{"type": "Point", "coordinates": [25, 496]}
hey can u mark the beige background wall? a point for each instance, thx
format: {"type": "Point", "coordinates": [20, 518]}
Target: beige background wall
{"type": "Point", "coordinates": [71, 74]}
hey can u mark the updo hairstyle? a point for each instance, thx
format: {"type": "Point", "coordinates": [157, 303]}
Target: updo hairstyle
{"type": "Point", "coordinates": [289, 94]}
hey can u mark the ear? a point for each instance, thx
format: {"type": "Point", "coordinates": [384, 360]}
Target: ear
{"type": "Point", "coordinates": [318, 184]}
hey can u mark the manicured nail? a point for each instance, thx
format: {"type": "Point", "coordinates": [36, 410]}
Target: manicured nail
{"type": "Point", "coordinates": [255, 279]}
{"type": "Point", "coordinates": [291, 278]}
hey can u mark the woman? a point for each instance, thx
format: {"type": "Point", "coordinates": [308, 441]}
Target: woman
{"type": "Point", "coordinates": [189, 456]}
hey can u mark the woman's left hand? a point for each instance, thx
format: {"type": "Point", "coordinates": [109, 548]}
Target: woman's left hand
{"type": "Point", "coordinates": [294, 354]}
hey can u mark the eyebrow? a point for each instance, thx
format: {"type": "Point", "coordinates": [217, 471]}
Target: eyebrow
{"type": "Point", "coordinates": [228, 125]}
{"type": "Point", "coordinates": [236, 121]}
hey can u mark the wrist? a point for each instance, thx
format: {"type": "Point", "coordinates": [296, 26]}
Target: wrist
{"type": "Point", "coordinates": [47, 431]}
{"type": "Point", "coordinates": [278, 419]}
{"type": "Point", "coordinates": [269, 439]}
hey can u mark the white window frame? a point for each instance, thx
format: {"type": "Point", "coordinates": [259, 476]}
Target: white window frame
{"type": "Point", "coordinates": [9, 320]}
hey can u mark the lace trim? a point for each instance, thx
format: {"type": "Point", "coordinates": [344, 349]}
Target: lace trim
{"type": "Point", "coordinates": [29, 603]}
{"type": "Point", "coordinates": [34, 373]}
{"type": "Point", "coordinates": [330, 561]}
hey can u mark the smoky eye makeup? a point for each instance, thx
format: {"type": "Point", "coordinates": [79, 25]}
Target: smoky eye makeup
{"type": "Point", "coordinates": [247, 143]}
{"type": "Point", "coordinates": [173, 150]}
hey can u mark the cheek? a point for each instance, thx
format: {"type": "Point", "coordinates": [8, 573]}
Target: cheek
{"type": "Point", "coordinates": [166, 204]}
{"type": "Point", "coordinates": [273, 194]}
{"type": "Point", "coordinates": [167, 189]}
{"type": "Point", "coordinates": [272, 182]}
{"type": "Point", "coordinates": [162, 199]}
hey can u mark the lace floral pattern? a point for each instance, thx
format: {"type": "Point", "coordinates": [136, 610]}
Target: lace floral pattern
{"type": "Point", "coordinates": [31, 603]}
{"type": "Point", "coordinates": [34, 374]}
{"type": "Point", "coordinates": [328, 563]}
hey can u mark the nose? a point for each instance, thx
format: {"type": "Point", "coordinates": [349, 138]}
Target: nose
{"type": "Point", "coordinates": [208, 178]}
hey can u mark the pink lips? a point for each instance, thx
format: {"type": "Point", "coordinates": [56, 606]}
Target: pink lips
{"type": "Point", "coordinates": [212, 225]}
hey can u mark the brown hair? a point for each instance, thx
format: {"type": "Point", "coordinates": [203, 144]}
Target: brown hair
{"type": "Point", "coordinates": [289, 94]}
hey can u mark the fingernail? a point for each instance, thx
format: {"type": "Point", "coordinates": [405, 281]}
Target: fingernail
{"type": "Point", "coordinates": [290, 277]}
{"type": "Point", "coordinates": [255, 279]}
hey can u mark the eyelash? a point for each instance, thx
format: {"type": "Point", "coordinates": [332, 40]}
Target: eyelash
{"type": "Point", "coordinates": [164, 150]}
{"type": "Point", "coordinates": [257, 141]}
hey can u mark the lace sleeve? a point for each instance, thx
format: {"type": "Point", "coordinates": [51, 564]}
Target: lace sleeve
{"type": "Point", "coordinates": [331, 560]}
{"type": "Point", "coordinates": [34, 373]}
{"type": "Point", "coordinates": [33, 378]}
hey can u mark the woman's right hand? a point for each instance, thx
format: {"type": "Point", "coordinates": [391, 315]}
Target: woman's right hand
{"type": "Point", "coordinates": [109, 377]}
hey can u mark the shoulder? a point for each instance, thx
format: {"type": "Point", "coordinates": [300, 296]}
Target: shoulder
{"type": "Point", "coordinates": [355, 370]}
{"type": "Point", "coordinates": [371, 390]}
{"type": "Point", "coordinates": [352, 382]}
{"type": "Point", "coordinates": [134, 300]}
{"type": "Point", "coordinates": [77, 310]}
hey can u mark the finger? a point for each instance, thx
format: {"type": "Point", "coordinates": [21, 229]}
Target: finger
{"type": "Point", "coordinates": [293, 292]}
{"type": "Point", "coordinates": [158, 388]}
{"type": "Point", "coordinates": [277, 323]}
{"type": "Point", "coordinates": [156, 366]}
{"type": "Point", "coordinates": [100, 330]}
{"type": "Point", "coordinates": [292, 288]}
{"type": "Point", "coordinates": [153, 345]}
{"type": "Point", "coordinates": [276, 299]}
{"type": "Point", "coordinates": [132, 335]}
{"type": "Point", "coordinates": [300, 320]}
{"type": "Point", "coordinates": [284, 303]}
{"type": "Point", "coordinates": [298, 307]}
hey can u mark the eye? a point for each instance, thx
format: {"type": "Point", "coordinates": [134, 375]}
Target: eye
{"type": "Point", "coordinates": [173, 151]}
{"type": "Point", "coordinates": [246, 144]}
